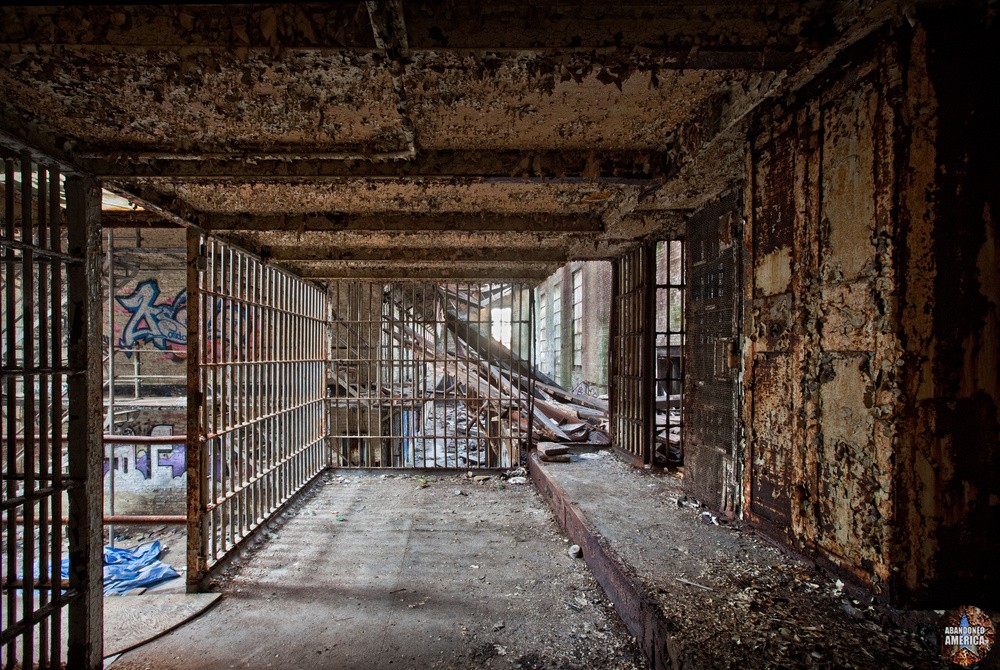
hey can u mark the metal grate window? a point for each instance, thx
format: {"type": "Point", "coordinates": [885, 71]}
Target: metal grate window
{"type": "Point", "coordinates": [557, 331]}
{"type": "Point", "coordinates": [543, 334]}
{"type": "Point", "coordinates": [421, 375]}
{"type": "Point", "coordinates": [257, 345]}
{"type": "Point", "coordinates": [669, 345]}
{"type": "Point", "coordinates": [578, 319]}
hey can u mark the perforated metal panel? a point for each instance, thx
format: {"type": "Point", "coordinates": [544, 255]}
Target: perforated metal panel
{"type": "Point", "coordinates": [713, 298]}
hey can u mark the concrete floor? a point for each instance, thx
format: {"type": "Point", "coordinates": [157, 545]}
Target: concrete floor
{"type": "Point", "coordinates": [382, 571]}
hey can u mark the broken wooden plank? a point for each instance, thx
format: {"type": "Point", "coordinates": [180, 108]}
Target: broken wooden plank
{"type": "Point", "coordinates": [552, 449]}
{"type": "Point", "coordinates": [599, 437]}
{"type": "Point", "coordinates": [549, 425]}
{"type": "Point", "coordinates": [585, 400]}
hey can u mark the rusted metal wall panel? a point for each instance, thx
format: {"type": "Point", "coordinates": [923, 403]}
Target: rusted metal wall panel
{"type": "Point", "coordinates": [714, 300]}
{"type": "Point", "coordinates": [771, 442]}
{"type": "Point", "coordinates": [822, 342]}
{"type": "Point", "coordinates": [257, 409]}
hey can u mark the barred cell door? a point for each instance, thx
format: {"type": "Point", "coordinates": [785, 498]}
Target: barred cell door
{"type": "Point", "coordinates": [257, 357]}
{"type": "Point", "coordinates": [50, 413]}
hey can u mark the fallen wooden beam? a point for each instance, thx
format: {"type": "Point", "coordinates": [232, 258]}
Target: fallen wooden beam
{"type": "Point", "coordinates": [552, 449]}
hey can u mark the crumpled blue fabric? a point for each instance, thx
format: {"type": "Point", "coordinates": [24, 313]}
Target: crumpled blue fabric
{"type": "Point", "coordinates": [127, 569]}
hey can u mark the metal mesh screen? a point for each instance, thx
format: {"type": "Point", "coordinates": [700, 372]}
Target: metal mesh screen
{"type": "Point", "coordinates": [257, 344]}
{"type": "Point", "coordinates": [49, 416]}
{"type": "Point", "coordinates": [429, 375]}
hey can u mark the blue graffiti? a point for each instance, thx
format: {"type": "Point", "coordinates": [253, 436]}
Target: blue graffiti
{"type": "Point", "coordinates": [154, 322]}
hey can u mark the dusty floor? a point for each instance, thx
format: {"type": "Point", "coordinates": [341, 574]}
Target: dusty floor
{"type": "Point", "coordinates": [382, 571]}
{"type": "Point", "coordinates": [762, 608]}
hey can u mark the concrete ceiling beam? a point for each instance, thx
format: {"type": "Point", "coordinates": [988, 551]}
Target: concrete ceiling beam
{"type": "Point", "coordinates": [678, 28]}
{"type": "Point", "coordinates": [402, 271]}
{"type": "Point", "coordinates": [623, 166]}
{"type": "Point", "coordinates": [403, 255]}
{"type": "Point", "coordinates": [402, 221]}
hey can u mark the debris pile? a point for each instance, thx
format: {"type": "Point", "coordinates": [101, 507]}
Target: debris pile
{"type": "Point", "coordinates": [422, 380]}
{"type": "Point", "coordinates": [562, 416]}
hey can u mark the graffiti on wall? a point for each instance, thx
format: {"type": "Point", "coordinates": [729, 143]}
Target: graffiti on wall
{"type": "Point", "coordinates": [170, 459]}
{"type": "Point", "coordinates": [162, 322]}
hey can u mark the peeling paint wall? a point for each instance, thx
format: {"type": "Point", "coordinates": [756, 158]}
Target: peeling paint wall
{"type": "Point", "coordinates": [822, 346]}
{"type": "Point", "coordinates": [871, 355]}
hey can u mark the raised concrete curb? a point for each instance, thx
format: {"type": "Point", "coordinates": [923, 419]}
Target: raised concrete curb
{"type": "Point", "coordinates": [638, 610]}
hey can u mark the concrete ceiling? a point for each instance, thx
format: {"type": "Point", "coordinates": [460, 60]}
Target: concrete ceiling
{"type": "Point", "coordinates": [404, 139]}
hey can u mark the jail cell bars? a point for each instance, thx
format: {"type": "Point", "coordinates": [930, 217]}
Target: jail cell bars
{"type": "Point", "coordinates": [428, 375]}
{"type": "Point", "coordinates": [257, 339]}
{"type": "Point", "coordinates": [632, 376]}
{"type": "Point", "coordinates": [669, 367]}
{"type": "Point", "coordinates": [50, 416]}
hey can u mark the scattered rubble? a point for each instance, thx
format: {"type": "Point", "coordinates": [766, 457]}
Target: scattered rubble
{"type": "Point", "coordinates": [731, 598]}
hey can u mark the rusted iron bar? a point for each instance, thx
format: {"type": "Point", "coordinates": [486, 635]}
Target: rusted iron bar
{"type": "Point", "coordinates": [256, 387]}
{"type": "Point", "coordinates": [127, 519]}
{"type": "Point", "coordinates": [40, 585]}
{"type": "Point", "coordinates": [124, 439]}
{"type": "Point", "coordinates": [144, 439]}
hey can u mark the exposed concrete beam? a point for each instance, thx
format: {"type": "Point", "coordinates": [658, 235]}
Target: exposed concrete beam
{"type": "Point", "coordinates": [605, 166]}
{"type": "Point", "coordinates": [400, 255]}
{"type": "Point", "coordinates": [475, 239]}
{"type": "Point", "coordinates": [398, 221]}
{"type": "Point", "coordinates": [389, 30]}
{"type": "Point", "coordinates": [423, 272]}
{"type": "Point", "coordinates": [343, 24]}
{"type": "Point", "coordinates": [136, 219]}
{"type": "Point", "coordinates": [671, 27]}
{"type": "Point", "coordinates": [14, 143]}
{"type": "Point", "coordinates": [152, 200]}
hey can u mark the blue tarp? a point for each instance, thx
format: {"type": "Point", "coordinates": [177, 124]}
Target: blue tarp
{"type": "Point", "coordinates": [127, 569]}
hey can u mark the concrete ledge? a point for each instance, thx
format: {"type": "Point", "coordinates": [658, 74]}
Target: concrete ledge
{"type": "Point", "coordinates": [640, 613]}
